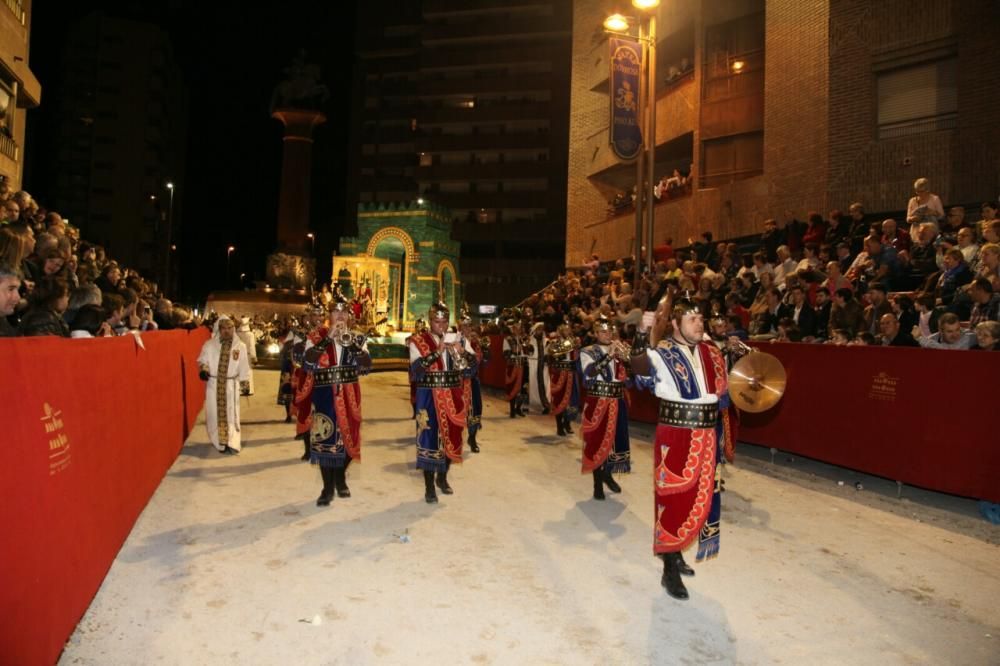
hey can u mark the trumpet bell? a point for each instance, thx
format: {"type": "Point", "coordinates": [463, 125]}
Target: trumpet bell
{"type": "Point", "coordinates": [757, 382]}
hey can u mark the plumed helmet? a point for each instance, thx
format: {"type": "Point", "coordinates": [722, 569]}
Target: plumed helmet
{"type": "Point", "coordinates": [602, 323]}
{"type": "Point", "coordinates": [439, 311]}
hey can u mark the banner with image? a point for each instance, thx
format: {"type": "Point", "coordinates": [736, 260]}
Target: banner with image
{"type": "Point", "coordinates": [625, 87]}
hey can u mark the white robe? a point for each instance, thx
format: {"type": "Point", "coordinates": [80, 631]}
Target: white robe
{"type": "Point", "coordinates": [239, 371]}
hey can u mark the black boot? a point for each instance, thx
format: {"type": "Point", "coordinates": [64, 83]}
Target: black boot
{"type": "Point", "coordinates": [307, 454]}
{"type": "Point", "coordinates": [610, 481]}
{"type": "Point", "coordinates": [560, 428]}
{"type": "Point", "coordinates": [682, 567]}
{"type": "Point", "coordinates": [566, 424]}
{"type": "Point", "coordinates": [598, 485]}
{"type": "Point", "coordinates": [340, 481]}
{"type": "Point", "coordinates": [430, 496]}
{"type": "Point", "coordinates": [473, 444]}
{"type": "Point", "coordinates": [672, 578]}
{"type": "Point", "coordinates": [288, 413]}
{"type": "Point", "coordinates": [513, 409]}
{"type": "Point", "coordinates": [329, 483]}
{"type": "Point", "coordinates": [442, 480]}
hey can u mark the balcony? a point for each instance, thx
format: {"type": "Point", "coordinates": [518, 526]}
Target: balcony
{"type": "Point", "coordinates": [493, 171]}
{"type": "Point", "coordinates": [9, 147]}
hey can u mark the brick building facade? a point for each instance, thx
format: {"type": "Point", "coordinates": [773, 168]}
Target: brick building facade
{"type": "Point", "coordinates": [790, 105]}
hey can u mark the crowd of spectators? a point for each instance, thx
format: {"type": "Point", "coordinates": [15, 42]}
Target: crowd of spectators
{"type": "Point", "coordinates": [54, 283]}
{"type": "Point", "coordinates": [677, 184]}
{"type": "Point", "coordinates": [929, 280]}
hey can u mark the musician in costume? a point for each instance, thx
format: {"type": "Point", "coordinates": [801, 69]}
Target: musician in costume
{"type": "Point", "coordinates": [224, 366]}
{"type": "Point", "coordinates": [606, 448]}
{"type": "Point", "coordinates": [302, 381]}
{"type": "Point", "coordinates": [286, 392]}
{"type": "Point", "coordinates": [537, 358]}
{"type": "Point", "coordinates": [517, 348]}
{"type": "Point", "coordinates": [474, 393]}
{"type": "Point", "coordinates": [689, 376]}
{"type": "Point", "coordinates": [438, 361]}
{"type": "Point", "coordinates": [561, 358]}
{"type": "Point", "coordinates": [335, 362]}
{"type": "Point", "coordinates": [419, 326]}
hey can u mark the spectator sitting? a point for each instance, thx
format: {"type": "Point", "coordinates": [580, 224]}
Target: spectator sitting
{"type": "Point", "coordinates": [114, 311]}
{"type": "Point", "coordinates": [924, 206]}
{"type": "Point", "coordinates": [989, 264]}
{"type": "Point", "coordinates": [785, 266]}
{"type": "Point", "coordinates": [48, 302]}
{"type": "Point", "coordinates": [90, 323]}
{"type": "Point", "coordinates": [771, 238]}
{"type": "Point", "coordinates": [665, 251]}
{"type": "Point", "coordinates": [810, 262]}
{"type": "Point", "coordinates": [955, 274]}
{"type": "Point", "coordinates": [906, 312]}
{"type": "Point", "coordinates": [839, 337]}
{"type": "Point", "coordinates": [87, 294]}
{"type": "Point", "coordinates": [834, 280]}
{"type": "Point", "coordinates": [163, 314]}
{"type": "Point", "coordinates": [109, 278]}
{"type": "Point", "coordinates": [881, 264]}
{"type": "Point", "coordinates": [800, 313]}
{"type": "Point", "coordinates": [10, 296]}
{"type": "Point", "coordinates": [846, 313]}
{"type": "Point", "coordinates": [967, 244]}
{"type": "Point", "coordinates": [954, 221]}
{"type": "Point", "coordinates": [923, 253]}
{"type": "Point", "coordinates": [987, 336]}
{"type": "Point", "coordinates": [892, 334]}
{"type": "Point", "coordinates": [949, 336]}
{"type": "Point", "coordinates": [838, 229]}
{"type": "Point", "coordinates": [986, 302]}
{"type": "Point", "coordinates": [878, 306]}
{"type": "Point", "coordinates": [928, 314]}
{"type": "Point", "coordinates": [895, 237]}
{"type": "Point", "coordinates": [816, 231]}
{"type": "Point", "coordinates": [822, 309]}
{"type": "Point", "coordinates": [863, 339]}
{"type": "Point", "coordinates": [859, 228]}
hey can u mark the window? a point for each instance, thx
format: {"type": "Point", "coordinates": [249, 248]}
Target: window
{"type": "Point", "coordinates": [731, 158]}
{"type": "Point", "coordinates": [917, 99]}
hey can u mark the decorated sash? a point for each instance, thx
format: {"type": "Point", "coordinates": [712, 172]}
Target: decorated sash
{"type": "Point", "coordinates": [337, 413]}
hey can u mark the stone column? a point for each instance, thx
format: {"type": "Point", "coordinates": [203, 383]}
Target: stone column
{"type": "Point", "coordinates": [293, 201]}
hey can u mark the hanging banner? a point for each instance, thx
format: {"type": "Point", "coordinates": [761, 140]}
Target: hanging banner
{"type": "Point", "coordinates": [626, 72]}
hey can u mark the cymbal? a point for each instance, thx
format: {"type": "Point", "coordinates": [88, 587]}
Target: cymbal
{"type": "Point", "coordinates": [757, 382]}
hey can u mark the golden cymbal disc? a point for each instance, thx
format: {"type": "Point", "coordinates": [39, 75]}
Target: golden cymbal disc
{"type": "Point", "coordinates": [757, 382]}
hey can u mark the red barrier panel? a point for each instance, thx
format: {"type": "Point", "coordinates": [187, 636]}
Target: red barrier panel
{"type": "Point", "coordinates": [90, 427]}
{"type": "Point", "coordinates": [920, 416]}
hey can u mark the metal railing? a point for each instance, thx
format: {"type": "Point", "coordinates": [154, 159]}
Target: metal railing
{"type": "Point", "coordinates": [8, 147]}
{"type": "Point", "coordinates": [15, 7]}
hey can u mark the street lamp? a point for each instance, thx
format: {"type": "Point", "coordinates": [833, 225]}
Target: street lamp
{"type": "Point", "coordinates": [229, 255]}
{"type": "Point", "coordinates": [646, 161]}
{"type": "Point", "coordinates": [170, 235]}
{"type": "Point", "coordinates": [312, 242]}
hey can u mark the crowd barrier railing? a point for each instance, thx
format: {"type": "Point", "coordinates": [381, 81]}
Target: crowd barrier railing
{"type": "Point", "coordinates": [89, 429]}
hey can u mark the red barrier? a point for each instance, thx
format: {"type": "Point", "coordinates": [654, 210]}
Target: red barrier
{"type": "Point", "coordinates": [90, 427]}
{"type": "Point", "coordinates": [920, 416]}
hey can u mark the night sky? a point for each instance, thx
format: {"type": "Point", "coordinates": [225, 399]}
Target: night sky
{"type": "Point", "coordinates": [231, 55]}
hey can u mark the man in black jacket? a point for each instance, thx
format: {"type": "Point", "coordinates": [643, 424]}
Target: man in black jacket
{"type": "Point", "coordinates": [10, 283]}
{"type": "Point", "coordinates": [892, 334]}
{"type": "Point", "coordinates": [799, 311]}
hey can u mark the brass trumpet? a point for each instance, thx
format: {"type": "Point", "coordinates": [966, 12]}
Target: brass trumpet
{"type": "Point", "coordinates": [621, 351]}
{"type": "Point", "coordinates": [351, 339]}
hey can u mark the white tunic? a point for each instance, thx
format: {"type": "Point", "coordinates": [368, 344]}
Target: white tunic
{"type": "Point", "coordinates": [239, 371]}
{"type": "Point", "coordinates": [665, 387]}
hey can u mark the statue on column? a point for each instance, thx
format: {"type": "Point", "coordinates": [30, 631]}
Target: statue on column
{"type": "Point", "coordinates": [302, 87]}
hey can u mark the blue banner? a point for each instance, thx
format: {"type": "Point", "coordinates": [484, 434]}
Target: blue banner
{"type": "Point", "coordinates": [626, 73]}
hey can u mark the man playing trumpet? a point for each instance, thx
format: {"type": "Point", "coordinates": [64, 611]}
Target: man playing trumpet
{"type": "Point", "coordinates": [473, 391]}
{"type": "Point", "coordinates": [561, 358]}
{"type": "Point", "coordinates": [438, 360]}
{"type": "Point", "coordinates": [335, 361]}
{"type": "Point", "coordinates": [605, 412]}
{"type": "Point", "coordinates": [517, 348]}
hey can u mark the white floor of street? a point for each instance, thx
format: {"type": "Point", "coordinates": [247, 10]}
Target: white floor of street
{"type": "Point", "coordinates": [231, 561]}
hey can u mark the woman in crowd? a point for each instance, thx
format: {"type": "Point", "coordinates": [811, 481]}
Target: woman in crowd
{"type": "Point", "coordinates": [48, 302]}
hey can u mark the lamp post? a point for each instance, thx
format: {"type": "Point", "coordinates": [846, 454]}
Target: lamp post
{"type": "Point", "coordinates": [646, 161]}
{"type": "Point", "coordinates": [312, 243]}
{"type": "Point", "coordinates": [170, 235]}
{"type": "Point", "coordinates": [229, 256]}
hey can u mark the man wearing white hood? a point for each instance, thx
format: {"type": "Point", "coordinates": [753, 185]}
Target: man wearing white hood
{"type": "Point", "coordinates": [225, 367]}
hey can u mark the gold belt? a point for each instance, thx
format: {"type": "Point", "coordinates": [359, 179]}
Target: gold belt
{"type": "Point", "coordinates": [339, 374]}
{"type": "Point", "coordinates": [446, 379]}
{"type": "Point", "coordinates": [607, 390]}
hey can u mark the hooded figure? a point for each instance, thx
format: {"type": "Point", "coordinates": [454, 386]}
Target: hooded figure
{"type": "Point", "coordinates": [225, 367]}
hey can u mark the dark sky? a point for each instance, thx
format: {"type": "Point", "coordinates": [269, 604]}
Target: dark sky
{"type": "Point", "coordinates": [232, 55]}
